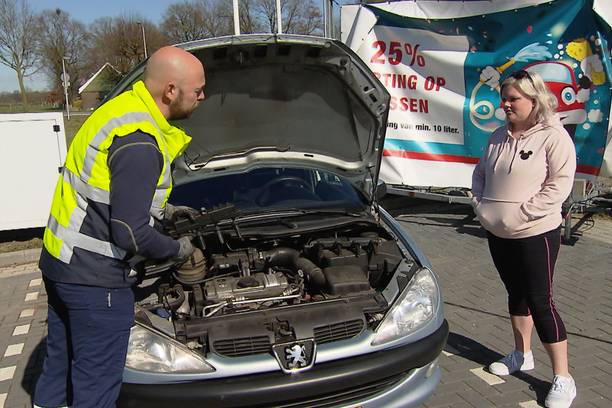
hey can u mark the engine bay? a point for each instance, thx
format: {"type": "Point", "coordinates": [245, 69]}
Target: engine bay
{"type": "Point", "coordinates": [238, 295]}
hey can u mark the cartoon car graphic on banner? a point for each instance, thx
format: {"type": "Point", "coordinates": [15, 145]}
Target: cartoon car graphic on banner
{"type": "Point", "coordinates": [560, 79]}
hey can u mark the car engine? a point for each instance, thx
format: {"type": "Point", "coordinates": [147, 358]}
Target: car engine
{"type": "Point", "coordinates": [280, 288]}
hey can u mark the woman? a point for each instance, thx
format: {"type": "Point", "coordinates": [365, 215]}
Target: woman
{"type": "Point", "coordinates": [526, 173]}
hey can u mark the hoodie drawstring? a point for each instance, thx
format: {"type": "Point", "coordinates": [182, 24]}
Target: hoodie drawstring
{"type": "Point", "coordinates": [499, 152]}
{"type": "Point", "coordinates": [514, 154]}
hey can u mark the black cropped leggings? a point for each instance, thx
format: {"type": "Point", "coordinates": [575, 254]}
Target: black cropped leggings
{"type": "Point", "coordinates": [526, 266]}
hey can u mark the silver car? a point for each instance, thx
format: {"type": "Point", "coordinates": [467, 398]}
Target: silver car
{"type": "Point", "coordinates": [303, 291]}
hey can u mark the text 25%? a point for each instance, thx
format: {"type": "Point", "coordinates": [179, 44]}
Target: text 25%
{"type": "Point", "coordinates": [396, 52]}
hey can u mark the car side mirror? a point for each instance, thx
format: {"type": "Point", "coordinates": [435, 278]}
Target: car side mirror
{"type": "Point", "coordinates": [381, 190]}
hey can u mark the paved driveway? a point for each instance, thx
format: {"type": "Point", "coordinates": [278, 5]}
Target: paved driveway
{"type": "Point", "coordinates": [475, 307]}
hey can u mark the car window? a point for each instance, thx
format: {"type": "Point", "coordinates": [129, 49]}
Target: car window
{"type": "Point", "coordinates": [551, 72]}
{"type": "Point", "coordinates": [271, 187]}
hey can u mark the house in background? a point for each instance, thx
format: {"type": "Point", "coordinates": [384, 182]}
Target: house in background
{"type": "Point", "coordinates": [94, 90]}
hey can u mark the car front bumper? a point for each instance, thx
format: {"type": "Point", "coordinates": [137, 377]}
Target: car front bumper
{"type": "Point", "coordinates": [404, 376]}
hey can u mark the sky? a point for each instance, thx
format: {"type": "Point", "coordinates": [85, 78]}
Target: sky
{"type": "Point", "coordinates": [86, 12]}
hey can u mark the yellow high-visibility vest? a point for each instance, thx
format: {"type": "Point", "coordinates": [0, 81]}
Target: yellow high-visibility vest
{"type": "Point", "coordinates": [86, 174]}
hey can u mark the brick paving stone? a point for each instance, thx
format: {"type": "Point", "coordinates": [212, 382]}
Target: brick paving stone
{"type": "Point", "coordinates": [475, 306]}
{"type": "Point", "coordinates": [588, 394]}
{"type": "Point", "coordinates": [513, 397]}
{"type": "Point", "coordinates": [603, 390]}
{"type": "Point", "coordinates": [601, 403]}
{"type": "Point", "coordinates": [7, 373]}
{"type": "Point", "coordinates": [21, 329]}
{"type": "Point", "coordinates": [13, 350]}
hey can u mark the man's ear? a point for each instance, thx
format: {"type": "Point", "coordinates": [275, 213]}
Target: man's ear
{"type": "Point", "coordinates": [170, 91]}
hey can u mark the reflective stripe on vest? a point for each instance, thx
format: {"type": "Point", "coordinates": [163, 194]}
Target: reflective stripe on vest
{"type": "Point", "coordinates": [72, 239]}
{"type": "Point", "coordinates": [84, 189]}
{"type": "Point", "coordinates": [161, 191]}
{"type": "Point", "coordinates": [66, 235]}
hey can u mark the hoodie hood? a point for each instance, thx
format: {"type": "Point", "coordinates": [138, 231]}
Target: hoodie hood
{"type": "Point", "coordinates": [515, 145]}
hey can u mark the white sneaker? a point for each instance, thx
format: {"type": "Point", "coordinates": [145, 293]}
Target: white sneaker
{"type": "Point", "coordinates": [512, 363]}
{"type": "Point", "coordinates": [562, 392]}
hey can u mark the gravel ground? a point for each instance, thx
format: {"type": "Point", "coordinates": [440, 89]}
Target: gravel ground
{"type": "Point", "coordinates": [11, 241]}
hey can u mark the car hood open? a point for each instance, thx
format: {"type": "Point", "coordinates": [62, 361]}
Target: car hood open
{"type": "Point", "coordinates": [285, 100]}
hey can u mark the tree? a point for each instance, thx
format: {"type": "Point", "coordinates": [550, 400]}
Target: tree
{"type": "Point", "coordinates": [218, 17]}
{"type": "Point", "coordinates": [17, 36]}
{"type": "Point", "coordinates": [61, 37]}
{"type": "Point", "coordinates": [184, 22]}
{"type": "Point", "coordinates": [196, 19]}
{"type": "Point", "coordinates": [118, 40]}
{"type": "Point", "coordinates": [298, 16]}
{"type": "Point", "coordinates": [250, 21]}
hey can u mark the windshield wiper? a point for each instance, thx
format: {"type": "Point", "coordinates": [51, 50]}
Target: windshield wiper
{"type": "Point", "coordinates": [330, 211]}
{"type": "Point", "coordinates": [298, 212]}
{"type": "Point", "coordinates": [220, 217]}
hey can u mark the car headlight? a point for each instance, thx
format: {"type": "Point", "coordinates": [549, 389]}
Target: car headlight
{"type": "Point", "coordinates": [416, 306]}
{"type": "Point", "coordinates": [149, 351]}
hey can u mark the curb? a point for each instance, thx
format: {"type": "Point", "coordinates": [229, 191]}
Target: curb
{"type": "Point", "coordinates": [19, 257]}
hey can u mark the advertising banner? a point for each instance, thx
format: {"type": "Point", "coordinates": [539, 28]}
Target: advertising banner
{"type": "Point", "coordinates": [443, 71]}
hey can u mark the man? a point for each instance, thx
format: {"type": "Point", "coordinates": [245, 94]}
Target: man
{"type": "Point", "coordinates": [115, 181]}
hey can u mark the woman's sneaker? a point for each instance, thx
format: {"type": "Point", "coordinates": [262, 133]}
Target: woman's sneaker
{"type": "Point", "coordinates": [562, 392]}
{"type": "Point", "coordinates": [513, 362]}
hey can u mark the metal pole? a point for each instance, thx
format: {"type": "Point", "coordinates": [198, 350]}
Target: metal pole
{"type": "Point", "coordinates": [279, 18]}
{"type": "Point", "coordinates": [325, 30]}
{"type": "Point", "coordinates": [144, 39]}
{"type": "Point", "coordinates": [329, 17]}
{"type": "Point", "coordinates": [65, 84]}
{"type": "Point", "coordinates": [236, 18]}
{"type": "Point", "coordinates": [325, 18]}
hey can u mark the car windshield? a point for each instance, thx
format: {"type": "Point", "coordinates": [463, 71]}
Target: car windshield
{"type": "Point", "coordinates": [271, 188]}
{"type": "Point", "coordinates": [551, 72]}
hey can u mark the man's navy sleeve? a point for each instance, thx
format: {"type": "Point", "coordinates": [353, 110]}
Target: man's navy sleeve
{"type": "Point", "coordinates": [135, 163]}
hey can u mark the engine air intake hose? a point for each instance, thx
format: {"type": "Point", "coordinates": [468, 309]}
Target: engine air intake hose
{"type": "Point", "coordinates": [290, 258]}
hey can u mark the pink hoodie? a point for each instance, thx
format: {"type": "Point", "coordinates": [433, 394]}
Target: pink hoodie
{"type": "Point", "coordinates": [520, 184]}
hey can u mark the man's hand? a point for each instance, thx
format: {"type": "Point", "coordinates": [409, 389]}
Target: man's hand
{"type": "Point", "coordinates": [174, 212]}
{"type": "Point", "coordinates": [185, 249]}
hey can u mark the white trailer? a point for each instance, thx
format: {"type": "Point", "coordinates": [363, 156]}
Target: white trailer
{"type": "Point", "coordinates": [32, 151]}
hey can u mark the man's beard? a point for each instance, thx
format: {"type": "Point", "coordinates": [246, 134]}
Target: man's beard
{"type": "Point", "coordinates": [177, 111]}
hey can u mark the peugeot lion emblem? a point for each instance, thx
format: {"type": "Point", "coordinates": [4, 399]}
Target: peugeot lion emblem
{"type": "Point", "coordinates": [295, 356]}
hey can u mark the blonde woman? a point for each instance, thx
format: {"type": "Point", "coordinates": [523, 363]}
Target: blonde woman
{"type": "Point", "coordinates": [524, 176]}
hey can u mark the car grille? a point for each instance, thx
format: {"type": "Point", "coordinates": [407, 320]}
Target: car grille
{"type": "Point", "coordinates": [244, 346]}
{"type": "Point", "coordinates": [337, 331]}
{"type": "Point", "coordinates": [341, 398]}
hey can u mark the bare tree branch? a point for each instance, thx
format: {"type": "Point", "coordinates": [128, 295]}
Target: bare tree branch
{"type": "Point", "coordinates": [118, 40]}
{"type": "Point", "coordinates": [298, 16]}
{"type": "Point", "coordinates": [17, 40]}
{"type": "Point", "coordinates": [194, 19]}
{"type": "Point", "coordinates": [184, 22]}
{"type": "Point", "coordinates": [60, 36]}
{"type": "Point", "coordinates": [218, 17]}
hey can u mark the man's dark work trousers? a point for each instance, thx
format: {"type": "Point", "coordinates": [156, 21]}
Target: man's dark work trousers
{"type": "Point", "coordinates": [89, 328]}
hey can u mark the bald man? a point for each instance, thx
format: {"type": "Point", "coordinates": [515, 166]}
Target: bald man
{"type": "Point", "coordinates": [112, 191]}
